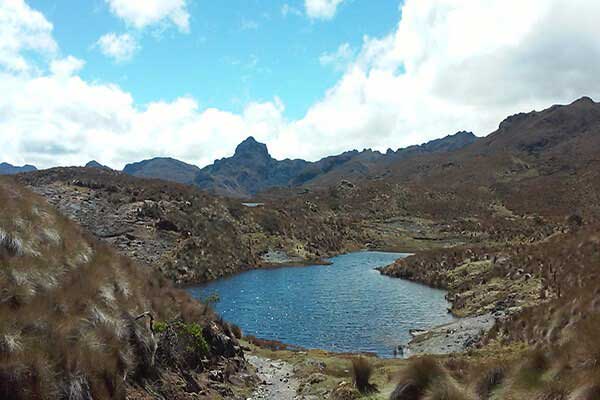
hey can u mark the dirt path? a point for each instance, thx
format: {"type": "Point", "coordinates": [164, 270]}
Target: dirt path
{"type": "Point", "coordinates": [277, 379]}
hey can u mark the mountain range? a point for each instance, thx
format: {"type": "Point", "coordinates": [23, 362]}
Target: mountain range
{"type": "Point", "coordinates": [8, 169]}
{"type": "Point", "coordinates": [252, 169]}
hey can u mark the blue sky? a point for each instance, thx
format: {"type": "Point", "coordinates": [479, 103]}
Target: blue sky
{"type": "Point", "coordinates": [236, 51]}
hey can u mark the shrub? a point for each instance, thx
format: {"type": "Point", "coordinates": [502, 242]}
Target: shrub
{"type": "Point", "coordinates": [160, 327]}
{"type": "Point", "coordinates": [361, 374]}
{"type": "Point", "coordinates": [197, 342]}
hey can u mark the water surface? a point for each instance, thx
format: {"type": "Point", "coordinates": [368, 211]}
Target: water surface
{"type": "Point", "coordinates": [345, 307]}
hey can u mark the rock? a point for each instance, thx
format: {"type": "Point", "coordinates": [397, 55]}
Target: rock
{"type": "Point", "coordinates": [220, 343]}
{"type": "Point", "coordinates": [216, 375]}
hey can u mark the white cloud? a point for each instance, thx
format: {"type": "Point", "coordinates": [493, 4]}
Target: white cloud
{"type": "Point", "coordinates": [449, 65]}
{"type": "Point", "coordinates": [118, 47]}
{"type": "Point", "coordinates": [321, 9]}
{"type": "Point", "coordinates": [143, 13]}
{"type": "Point", "coordinates": [22, 28]}
{"type": "Point", "coordinates": [286, 10]}
{"type": "Point", "coordinates": [340, 59]}
{"type": "Point", "coordinates": [66, 67]}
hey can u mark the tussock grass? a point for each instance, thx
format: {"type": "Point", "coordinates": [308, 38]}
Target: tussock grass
{"type": "Point", "coordinates": [68, 307]}
{"type": "Point", "coordinates": [489, 381]}
{"type": "Point", "coordinates": [446, 389]}
{"type": "Point", "coordinates": [361, 375]}
{"type": "Point", "coordinates": [417, 377]}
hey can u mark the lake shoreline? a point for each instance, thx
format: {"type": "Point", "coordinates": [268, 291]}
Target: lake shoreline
{"type": "Point", "coordinates": [351, 275]}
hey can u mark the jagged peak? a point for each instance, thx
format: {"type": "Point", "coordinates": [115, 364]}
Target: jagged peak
{"type": "Point", "coordinates": [251, 147]}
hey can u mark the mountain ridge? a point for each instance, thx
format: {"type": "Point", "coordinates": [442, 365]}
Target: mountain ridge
{"type": "Point", "coordinates": [9, 169]}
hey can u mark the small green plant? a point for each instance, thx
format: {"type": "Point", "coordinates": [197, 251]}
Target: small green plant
{"type": "Point", "coordinates": [160, 327]}
{"type": "Point", "coordinates": [197, 342]}
{"type": "Point", "coordinates": [212, 299]}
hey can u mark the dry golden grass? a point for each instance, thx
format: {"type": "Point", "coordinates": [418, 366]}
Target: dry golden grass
{"type": "Point", "coordinates": [68, 305]}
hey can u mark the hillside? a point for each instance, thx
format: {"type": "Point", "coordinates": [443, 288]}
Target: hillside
{"type": "Point", "coordinates": [79, 321]}
{"type": "Point", "coordinates": [163, 168]}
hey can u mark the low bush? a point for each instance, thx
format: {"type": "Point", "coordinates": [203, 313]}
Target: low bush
{"type": "Point", "coordinates": [193, 333]}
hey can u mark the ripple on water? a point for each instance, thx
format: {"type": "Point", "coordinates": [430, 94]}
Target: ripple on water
{"type": "Point", "coordinates": [346, 306]}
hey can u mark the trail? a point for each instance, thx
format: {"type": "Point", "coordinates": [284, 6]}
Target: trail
{"type": "Point", "coordinates": [277, 379]}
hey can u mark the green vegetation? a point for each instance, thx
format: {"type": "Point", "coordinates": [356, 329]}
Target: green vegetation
{"type": "Point", "coordinates": [160, 327]}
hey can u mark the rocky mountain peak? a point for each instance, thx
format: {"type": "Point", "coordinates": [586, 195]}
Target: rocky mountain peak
{"type": "Point", "coordinates": [95, 164]}
{"type": "Point", "coordinates": [252, 149]}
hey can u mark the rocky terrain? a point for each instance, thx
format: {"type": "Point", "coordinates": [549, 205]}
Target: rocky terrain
{"type": "Point", "coordinates": [188, 235]}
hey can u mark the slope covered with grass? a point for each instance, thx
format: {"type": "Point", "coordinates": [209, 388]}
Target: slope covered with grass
{"type": "Point", "coordinates": [76, 317]}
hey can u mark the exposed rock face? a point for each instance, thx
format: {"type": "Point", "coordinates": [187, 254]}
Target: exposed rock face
{"type": "Point", "coordinates": [163, 168]}
{"type": "Point", "coordinates": [8, 169]}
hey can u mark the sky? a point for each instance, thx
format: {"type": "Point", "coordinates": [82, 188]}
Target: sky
{"type": "Point", "coordinates": [124, 80]}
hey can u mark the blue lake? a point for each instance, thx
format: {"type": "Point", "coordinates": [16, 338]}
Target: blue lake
{"type": "Point", "coordinates": [345, 307]}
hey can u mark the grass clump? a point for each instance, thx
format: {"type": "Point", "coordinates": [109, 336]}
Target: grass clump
{"type": "Point", "coordinates": [489, 381]}
{"type": "Point", "coordinates": [417, 377]}
{"type": "Point", "coordinates": [361, 374]}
